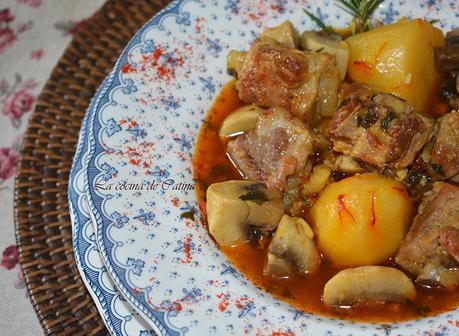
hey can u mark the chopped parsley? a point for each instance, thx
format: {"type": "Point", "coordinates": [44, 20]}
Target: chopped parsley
{"type": "Point", "coordinates": [386, 121]}
{"type": "Point", "coordinates": [254, 233]}
{"type": "Point", "coordinates": [307, 201]}
{"type": "Point", "coordinates": [368, 119]}
{"type": "Point", "coordinates": [255, 194]}
{"type": "Point", "coordinates": [438, 169]}
{"type": "Point", "coordinates": [188, 214]}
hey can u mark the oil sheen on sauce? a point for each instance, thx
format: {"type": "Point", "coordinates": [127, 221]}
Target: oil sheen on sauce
{"type": "Point", "coordinates": [211, 164]}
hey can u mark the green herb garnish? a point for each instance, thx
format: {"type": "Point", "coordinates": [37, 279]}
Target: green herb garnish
{"type": "Point", "coordinates": [258, 196]}
{"type": "Point", "coordinates": [433, 21]}
{"type": "Point", "coordinates": [438, 169]}
{"type": "Point", "coordinates": [187, 214]}
{"type": "Point", "coordinates": [307, 201]}
{"type": "Point", "coordinates": [327, 29]}
{"type": "Point", "coordinates": [254, 233]}
{"type": "Point", "coordinates": [368, 119]}
{"type": "Point", "coordinates": [344, 102]}
{"type": "Point", "coordinates": [386, 121]}
{"type": "Point", "coordinates": [418, 182]}
{"type": "Point", "coordinates": [362, 11]}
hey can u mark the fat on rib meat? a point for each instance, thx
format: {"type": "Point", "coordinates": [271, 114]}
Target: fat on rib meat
{"type": "Point", "coordinates": [378, 128]}
{"type": "Point", "coordinates": [274, 75]}
{"type": "Point", "coordinates": [430, 250]}
{"type": "Point", "coordinates": [278, 147]}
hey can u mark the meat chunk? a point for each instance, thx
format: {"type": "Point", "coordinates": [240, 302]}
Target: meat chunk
{"type": "Point", "coordinates": [430, 249]}
{"type": "Point", "coordinates": [449, 239]}
{"type": "Point", "coordinates": [380, 129]}
{"type": "Point", "coordinates": [278, 147]}
{"type": "Point", "coordinates": [445, 151]}
{"type": "Point", "coordinates": [275, 75]}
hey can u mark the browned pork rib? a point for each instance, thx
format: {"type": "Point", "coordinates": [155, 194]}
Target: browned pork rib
{"type": "Point", "coordinates": [430, 250]}
{"type": "Point", "coordinates": [379, 129]}
{"type": "Point", "coordinates": [278, 147]}
{"type": "Point", "coordinates": [274, 75]}
{"type": "Point", "coordinates": [445, 152]}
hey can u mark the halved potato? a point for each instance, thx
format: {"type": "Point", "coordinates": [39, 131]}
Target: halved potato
{"type": "Point", "coordinates": [361, 220]}
{"type": "Point", "coordinates": [368, 283]}
{"type": "Point", "coordinates": [398, 58]}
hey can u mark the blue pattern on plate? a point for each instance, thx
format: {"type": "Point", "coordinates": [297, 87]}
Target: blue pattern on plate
{"type": "Point", "coordinates": [117, 314]}
{"type": "Point", "coordinates": [178, 56]}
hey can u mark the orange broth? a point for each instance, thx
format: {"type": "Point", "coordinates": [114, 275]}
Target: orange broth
{"type": "Point", "coordinates": [211, 164]}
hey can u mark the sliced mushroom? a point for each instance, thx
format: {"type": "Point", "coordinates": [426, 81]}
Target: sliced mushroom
{"type": "Point", "coordinates": [368, 283]}
{"type": "Point", "coordinates": [292, 248]}
{"type": "Point", "coordinates": [234, 205]}
{"type": "Point", "coordinates": [284, 33]}
{"type": "Point", "coordinates": [234, 61]}
{"type": "Point", "coordinates": [240, 121]}
{"type": "Point", "coordinates": [278, 267]}
{"type": "Point", "coordinates": [331, 44]}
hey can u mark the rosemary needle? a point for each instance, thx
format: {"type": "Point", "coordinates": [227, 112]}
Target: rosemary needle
{"type": "Point", "coordinates": [361, 10]}
{"type": "Point", "coordinates": [323, 26]}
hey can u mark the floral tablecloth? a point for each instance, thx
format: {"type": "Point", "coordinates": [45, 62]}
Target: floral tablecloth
{"type": "Point", "coordinates": [33, 36]}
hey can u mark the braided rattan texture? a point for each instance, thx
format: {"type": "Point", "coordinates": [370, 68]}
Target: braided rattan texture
{"type": "Point", "coordinates": [43, 228]}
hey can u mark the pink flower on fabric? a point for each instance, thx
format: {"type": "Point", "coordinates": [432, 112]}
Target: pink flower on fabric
{"type": "Point", "coordinates": [5, 16]}
{"type": "Point", "coordinates": [10, 257]}
{"type": "Point", "coordinates": [36, 54]}
{"type": "Point", "coordinates": [9, 159]}
{"type": "Point", "coordinates": [20, 103]}
{"type": "Point", "coordinates": [7, 38]}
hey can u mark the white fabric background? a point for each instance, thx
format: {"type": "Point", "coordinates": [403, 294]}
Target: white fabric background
{"type": "Point", "coordinates": [33, 36]}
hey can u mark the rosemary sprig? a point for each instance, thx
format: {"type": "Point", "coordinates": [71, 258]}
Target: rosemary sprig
{"type": "Point", "coordinates": [361, 10]}
{"type": "Point", "coordinates": [323, 26]}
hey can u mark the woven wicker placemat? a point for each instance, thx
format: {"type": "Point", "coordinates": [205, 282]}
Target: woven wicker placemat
{"type": "Point", "coordinates": [43, 228]}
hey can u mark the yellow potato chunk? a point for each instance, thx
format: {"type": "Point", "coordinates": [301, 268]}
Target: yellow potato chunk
{"type": "Point", "coordinates": [398, 59]}
{"type": "Point", "coordinates": [362, 219]}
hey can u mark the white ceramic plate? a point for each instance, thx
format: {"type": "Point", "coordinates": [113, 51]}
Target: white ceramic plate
{"type": "Point", "coordinates": [142, 138]}
{"type": "Point", "coordinates": [119, 316]}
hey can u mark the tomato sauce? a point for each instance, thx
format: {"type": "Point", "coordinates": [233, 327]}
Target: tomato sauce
{"type": "Point", "coordinates": [211, 164]}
